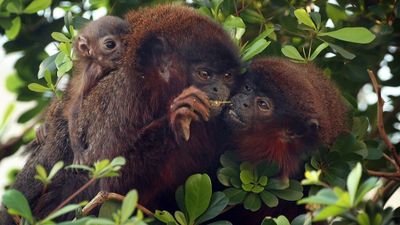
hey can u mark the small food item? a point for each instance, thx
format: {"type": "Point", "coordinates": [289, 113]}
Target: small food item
{"type": "Point", "coordinates": [217, 103]}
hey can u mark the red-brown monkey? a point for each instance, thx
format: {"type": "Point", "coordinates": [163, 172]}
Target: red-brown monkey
{"type": "Point", "coordinates": [281, 111]}
{"type": "Point", "coordinates": [154, 109]}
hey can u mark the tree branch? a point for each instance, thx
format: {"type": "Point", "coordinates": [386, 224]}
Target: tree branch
{"type": "Point", "coordinates": [380, 124]}
{"type": "Point", "coordinates": [103, 196]}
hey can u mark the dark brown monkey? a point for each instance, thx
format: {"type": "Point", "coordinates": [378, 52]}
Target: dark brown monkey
{"type": "Point", "coordinates": [99, 49]}
{"type": "Point", "coordinates": [175, 62]}
{"type": "Point", "coordinates": [282, 110]}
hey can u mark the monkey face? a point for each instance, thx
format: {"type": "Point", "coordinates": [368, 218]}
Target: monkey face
{"type": "Point", "coordinates": [259, 107]}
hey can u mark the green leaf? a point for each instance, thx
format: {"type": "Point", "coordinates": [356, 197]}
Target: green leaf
{"type": "Point", "coordinates": [41, 171]}
{"type": "Point", "coordinates": [180, 198]}
{"type": "Point", "coordinates": [165, 216]}
{"type": "Point", "coordinates": [252, 202]}
{"type": "Point", "coordinates": [335, 13]}
{"type": "Point", "coordinates": [180, 217]}
{"type": "Point", "coordinates": [38, 87]}
{"type": "Point", "coordinates": [57, 167]}
{"type": "Point", "coordinates": [108, 208]}
{"type": "Point", "coordinates": [47, 64]}
{"type": "Point", "coordinates": [318, 50]}
{"type": "Point", "coordinates": [291, 52]}
{"type": "Point", "coordinates": [323, 197]}
{"type": "Point", "coordinates": [13, 29]}
{"type": "Point", "coordinates": [282, 220]}
{"type": "Point", "coordinates": [7, 114]}
{"type": "Point", "coordinates": [129, 205]}
{"type": "Point", "coordinates": [78, 22]}
{"type": "Point", "coordinates": [247, 176]}
{"type": "Point", "coordinates": [360, 126]}
{"type": "Point", "coordinates": [100, 221]}
{"type": "Point", "coordinates": [277, 184]}
{"type": "Point", "coordinates": [303, 219]}
{"type": "Point", "coordinates": [346, 54]}
{"type": "Point", "coordinates": [225, 174]}
{"type": "Point", "coordinates": [218, 203]}
{"type": "Point", "coordinates": [62, 211]}
{"type": "Point", "coordinates": [81, 167]}
{"type": "Point", "coordinates": [235, 195]}
{"type": "Point", "coordinates": [234, 26]}
{"type": "Point", "coordinates": [60, 37]}
{"type": "Point", "coordinates": [303, 17]}
{"type": "Point", "coordinates": [251, 16]}
{"type": "Point", "coordinates": [268, 221]}
{"type": "Point", "coordinates": [82, 221]}
{"type": "Point", "coordinates": [329, 211]}
{"type": "Point", "coordinates": [16, 201]}
{"type": "Point", "coordinates": [359, 35]}
{"type": "Point", "coordinates": [293, 193]}
{"type": "Point", "coordinates": [255, 49]}
{"type": "Point", "coordinates": [197, 195]}
{"type": "Point", "coordinates": [269, 199]}
{"type": "Point", "coordinates": [365, 187]}
{"type": "Point", "coordinates": [316, 17]}
{"type": "Point", "coordinates": [14, 6]}
{"type": "Point", "coordinates": [363, 219]}
{"type": "Point", "coordinates": [37, 5]}
{"type": "Point", "coordinates": [353, 180]}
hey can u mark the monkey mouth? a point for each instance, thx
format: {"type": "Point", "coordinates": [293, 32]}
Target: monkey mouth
{"type": "Point", "coordinates": [235, 117]}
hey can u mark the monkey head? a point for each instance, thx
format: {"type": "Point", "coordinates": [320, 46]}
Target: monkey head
{"type": "Point", "coordinates": [196, 52]}
{"type": "Point", "coordinates": [101, 40]}
{"type": "Point", "coordinates": [283, 109]}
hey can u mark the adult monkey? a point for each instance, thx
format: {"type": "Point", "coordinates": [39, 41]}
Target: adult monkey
{"type": "Point", "coordinates": [140, 112]}
{"type": "Point", "coordinates": [282, 111]}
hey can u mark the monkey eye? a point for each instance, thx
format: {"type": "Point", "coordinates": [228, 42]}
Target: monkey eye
{"type": "Point", "coordinates": [228, 76]}
{"type": "Point", "coordinates": [204, 75]}
{"type": "Point", "coordinates": [110, 44]}
{"type": "Point", "coordinates": [264, 105]}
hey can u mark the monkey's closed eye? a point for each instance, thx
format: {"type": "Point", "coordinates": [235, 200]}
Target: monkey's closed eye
{"type": "Point", "coordinates": [264, 105]}
{"type": "Point", "coordinates": [110, 44]}
{"type": "Point", "coordinates": [204, 75]}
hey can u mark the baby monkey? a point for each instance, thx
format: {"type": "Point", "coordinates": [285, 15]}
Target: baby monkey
{"type": "Point", "coordinates": [99, 48]}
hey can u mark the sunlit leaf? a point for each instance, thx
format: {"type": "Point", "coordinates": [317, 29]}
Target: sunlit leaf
{"type": "Point", "coordinates": [17, 202]}
{"type": "Point", "coordinates": [291, 52]}
{"type": "Point", "coordinates": [359, 35]}
{"type": "Point", "coordinates": [37, 5]}
{"type": "Point", "coordinates": [303, 17]}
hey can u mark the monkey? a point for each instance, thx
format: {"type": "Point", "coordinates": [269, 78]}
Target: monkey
{"type": "Point", "coordinates": [154, 109]}
{"type": "Point", "coordinates": [282, 111]}
{"type": "Point", "coordinates": [98, 48]}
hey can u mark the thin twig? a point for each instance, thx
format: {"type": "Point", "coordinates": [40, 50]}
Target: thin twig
{"type": "Point", "coordinates": [17, 219]}
{"type": "Point", "coordinates": [388, 186]}
{"type": "Point", "coordinates": [392, 176]}
{"type": "Point", "coordinates": [380, 124]}
{"type": "Point", "coordinates": [103, 196]}
{"type": "Point", "coordinates": [66, 201]}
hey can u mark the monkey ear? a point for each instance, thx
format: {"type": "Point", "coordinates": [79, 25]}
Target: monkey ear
{"type": "Point", "coordinates": [155, 54]}
{"type": "Point", "coordinates": [83, 46]}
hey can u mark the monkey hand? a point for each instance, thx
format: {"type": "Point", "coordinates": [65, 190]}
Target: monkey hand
{"type": "Point", "coordinates": [191, 105]}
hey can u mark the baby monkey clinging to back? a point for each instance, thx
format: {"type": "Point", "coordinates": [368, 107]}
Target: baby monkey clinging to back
{"type": "Point", "coordinates": [98, 48]}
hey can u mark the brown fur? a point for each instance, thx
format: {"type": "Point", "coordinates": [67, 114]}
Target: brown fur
{"type": "Point", "coordinates": [299, 92]}
{"type": "Point", "coordinates": [127, 112]}
{"type": "Point", "coordinates": [94, 61]}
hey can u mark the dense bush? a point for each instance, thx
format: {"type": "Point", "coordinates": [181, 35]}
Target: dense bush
{"type": "Point", "coordinates": [351, 41]}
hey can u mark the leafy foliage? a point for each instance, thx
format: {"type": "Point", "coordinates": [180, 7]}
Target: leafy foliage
{"type": "Point", "coordinates": [345, 38]}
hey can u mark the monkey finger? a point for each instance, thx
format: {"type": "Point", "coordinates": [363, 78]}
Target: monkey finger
{"type": "Point", "coordinates": [182, 113]}
{"type": "Point", "coordinates": [194, 92]}
{"type": "Point", "coordinates": [193, 104]}
{"type": "Point", "coordinates": [185, 128]}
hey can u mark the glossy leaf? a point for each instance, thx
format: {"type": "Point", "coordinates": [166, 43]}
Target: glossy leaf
{"type": "Point", "coordinates": [129, 205]}
{"type": "Point", "coordinates": [16, 201]}
{"type": "Point", "coordinates": [303, 17]}
{"type": "Point", "coordinates": [353, 180]}
{"type": "Point", "coordinates": [269, 199]}
{"type": "Point", "coordinates": [252, 202]}
{"type": "Point", "coordinates": [37, 5]}
{"type": "Point", "coordinates": [197, 195]}
{"type": "Point", "coordinates": [218, 203]}
{"type": "Point", "coordinates": [38, 87]}
{"type": "Point", "coordinates": [255, 49]}
{"type": "Point", "coordinates": [291, 52]}
{"type": "Point", "coordinates": [318, 50]}
{"type": "Point", "coordinates": [359, 35]}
